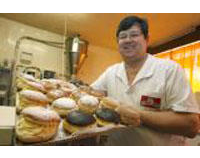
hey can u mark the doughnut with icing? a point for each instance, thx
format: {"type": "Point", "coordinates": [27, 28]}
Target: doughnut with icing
{"type": "Point", "coordinates": [78, 120]}
{"type": "Point", "coordinates": [105, 116]}
{"type": "Point", "coordinates": [29, 98]}
{"type": "Point", "coordinates": [88, 103]}
{"type": "Point", "coordinates": [109, 102]}
{"type": "Point", "coordinates": [64, 105]}
{"type": "Point", "coordinates": [37, 124]}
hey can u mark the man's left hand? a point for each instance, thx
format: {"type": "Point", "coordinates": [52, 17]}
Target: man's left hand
{"type": "Point", "coordinates": [129, 115]}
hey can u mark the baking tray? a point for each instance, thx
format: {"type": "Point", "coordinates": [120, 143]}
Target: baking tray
{"type": "Point", "coordinates": [84, 137]}
{"type": "Point", "coordinates": [90, 136]}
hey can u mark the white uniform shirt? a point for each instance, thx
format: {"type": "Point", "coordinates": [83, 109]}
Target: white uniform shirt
{"type": "Point", "coordinates": [160, 84]}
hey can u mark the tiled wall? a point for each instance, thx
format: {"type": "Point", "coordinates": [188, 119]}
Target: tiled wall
{"type": "Point", "coordinates": [44, 57]}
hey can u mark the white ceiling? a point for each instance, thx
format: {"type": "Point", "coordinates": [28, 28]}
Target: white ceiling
{"type": "Point", "coordinates": [99, 29]}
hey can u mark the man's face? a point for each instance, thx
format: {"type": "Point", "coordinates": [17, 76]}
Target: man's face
{"type": "Point", "coordinates": [132, 43]}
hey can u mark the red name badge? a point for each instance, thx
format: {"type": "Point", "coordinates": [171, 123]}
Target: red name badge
{"type": "Point", "coordinates": [150, 102]}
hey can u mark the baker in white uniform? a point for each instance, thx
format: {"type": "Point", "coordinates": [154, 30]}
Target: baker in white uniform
{"type": "Point", "coordinates": [154, 89]}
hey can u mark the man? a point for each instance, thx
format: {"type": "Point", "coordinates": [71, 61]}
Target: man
{"type": "Point", "coordinates": [151, 89]}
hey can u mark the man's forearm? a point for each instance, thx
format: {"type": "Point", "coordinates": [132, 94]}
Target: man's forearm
{"type": "Point", "coordinates": [171, 122]}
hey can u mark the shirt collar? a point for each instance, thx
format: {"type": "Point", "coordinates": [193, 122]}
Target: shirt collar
{"type": "Point", "coordinates": [145, 72]}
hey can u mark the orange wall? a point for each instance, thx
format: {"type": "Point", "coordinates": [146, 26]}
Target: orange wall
{"type": "Point", "coordinates": [98, 60]}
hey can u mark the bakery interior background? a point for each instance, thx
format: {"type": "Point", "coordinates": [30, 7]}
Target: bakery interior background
{"type": "Point", "coordinates": [37, 40]}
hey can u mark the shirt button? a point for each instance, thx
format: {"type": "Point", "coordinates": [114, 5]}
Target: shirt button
{"type": "Point", "coordinates": [130, 89]}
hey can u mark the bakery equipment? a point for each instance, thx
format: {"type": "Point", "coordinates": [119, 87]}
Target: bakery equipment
{"type": "Point", "coordinates": [5, 83]}
{"type": "Point", "coordinates": [7, 125]}
{"type": "Point", "coordinates": [23, 61]}
{"type": "Point", "coordinates": [49, 74]}
{"type": "Point", "coordinates": [76, 53]}
{"type": "Point", "coordinates": [34, 71]}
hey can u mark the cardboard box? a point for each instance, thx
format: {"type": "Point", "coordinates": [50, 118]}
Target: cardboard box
{"type": "Point", "coordinates": [7, 124]}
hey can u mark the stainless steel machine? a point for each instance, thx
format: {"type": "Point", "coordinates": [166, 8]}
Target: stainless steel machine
{"type": "Point", "coordinates": [5, 83]}
{"type": "Point", "coordinates": [76, 53]}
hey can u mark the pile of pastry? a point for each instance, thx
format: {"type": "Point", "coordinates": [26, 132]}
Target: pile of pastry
{"type": "Point", "coordinates": [44, 103]}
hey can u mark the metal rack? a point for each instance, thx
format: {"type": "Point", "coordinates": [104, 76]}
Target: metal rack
{"type": "Point", "coordinates": [16, 65]}
{"type": "Point", "coordinates": [5, 83]}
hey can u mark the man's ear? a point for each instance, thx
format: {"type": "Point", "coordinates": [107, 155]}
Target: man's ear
{"type": "Point", "coordinates": [147, 39]}
{"type": "Point", "coordinates": [117, 40]}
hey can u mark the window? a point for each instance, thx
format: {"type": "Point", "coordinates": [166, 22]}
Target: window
{"type": "Point", "coordinates": [189, 58]}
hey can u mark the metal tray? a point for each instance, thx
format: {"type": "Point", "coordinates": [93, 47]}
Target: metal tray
{"type": "Point", "coordinates": [90, 136]}
{"type": "Point", "coordinates": [84, 137]}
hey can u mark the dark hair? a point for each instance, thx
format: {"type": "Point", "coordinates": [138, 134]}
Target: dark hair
{"type": "Point", "coordinates": [129, 21]}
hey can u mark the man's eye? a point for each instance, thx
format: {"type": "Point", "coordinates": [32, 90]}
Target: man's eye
{"type": "Point", "coordinates": [134, 35]}
{"type": "Point", "coordinates": [122, 36]}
